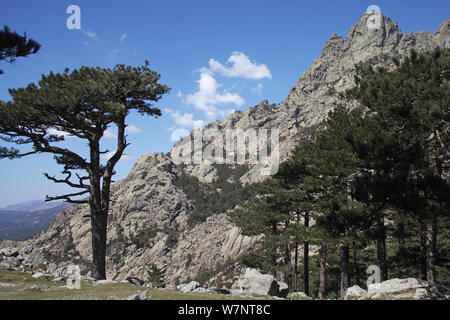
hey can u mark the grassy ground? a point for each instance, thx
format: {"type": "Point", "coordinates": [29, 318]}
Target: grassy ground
{"type": "Point", "coordinates": [15, 285]}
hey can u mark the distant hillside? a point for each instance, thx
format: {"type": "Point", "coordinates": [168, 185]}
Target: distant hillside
{"type": "Point", "coordinates": [21, 221]}
{"type": "Point", "coordinates": [33, 205]}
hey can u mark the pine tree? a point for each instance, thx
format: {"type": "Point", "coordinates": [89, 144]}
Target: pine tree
{"type": "Point", "coordinates": [411, 104]}
{"type": "Point", "coordinates": [83, 104]}
{"type": "Point", "coordinates": [13, 46]}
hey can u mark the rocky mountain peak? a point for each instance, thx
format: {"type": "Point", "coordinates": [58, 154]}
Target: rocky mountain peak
{"type": "Point", "coordinates": [442, 35]}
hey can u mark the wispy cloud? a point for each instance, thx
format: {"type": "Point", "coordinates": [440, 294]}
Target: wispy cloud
{"type": "Point", "coordinates": [133, 129]}
{"type": "Point", "coordinates": [123, 37]}
{"type": "Point", "coordinates": [90, 34]}
{"type": "Point", "coordinates": [124, 158]}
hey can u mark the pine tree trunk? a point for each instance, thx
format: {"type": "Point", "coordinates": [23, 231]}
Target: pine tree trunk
{"type": "Point", "coordinates": [99, 226]}
{"type": "Point", "coordinates": [401, 248]}
{"type": "Point", "coordinates": [381, 248]}
{"type": "Point", "coordinates": [296, 266]}
{"type": "Point", "coordinates": [430, 254]}
{"type": "Point", "coordinates": [287, 258]}
{"type": "Point", "coordinates": [423, 254]}
{"type": "Point", "coordinates": [306, 260]}
{"type": "Point", "coordinates": [323, 272]}
{"type": "Point", "coordinates": [355, 264]}
{"type": "Point", "coordinates": [344, 257]}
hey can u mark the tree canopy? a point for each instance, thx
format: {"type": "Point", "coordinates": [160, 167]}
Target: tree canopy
{"type": "Point", "coordinates": [13, 46]}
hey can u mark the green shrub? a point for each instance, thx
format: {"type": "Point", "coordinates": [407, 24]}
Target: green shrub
{"type": "Point", "coordinates": [154, 275]}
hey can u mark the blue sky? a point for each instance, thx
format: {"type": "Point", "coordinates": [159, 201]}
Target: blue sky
{"type": "Point", "coordinates": [217, 56]}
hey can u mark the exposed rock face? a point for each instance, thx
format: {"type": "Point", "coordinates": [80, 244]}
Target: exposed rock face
{"type": "Point", "coordinates": [27, 256]}
{"type": "Point", "coordinates": [148, 198]}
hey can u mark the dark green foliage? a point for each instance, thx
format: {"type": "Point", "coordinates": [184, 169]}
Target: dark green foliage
{"type": "Point", "coordinates": [143, 238]}
{"type": "Point", "coordinates": [203, 276]}
{"type": "Point", "coordinates": [216, 197]}
{"type": "Point", "coordinates": [154, 275]}
{"type": "Point", "coordinates": [375, 181]}
{"type": "Point", "coordinates": [172, 239]}
{"type": "Point", "coordinates": [13, 46]}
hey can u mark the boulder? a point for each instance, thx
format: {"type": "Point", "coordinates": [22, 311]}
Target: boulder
{"type": "Point", "coordinates": [283, 289]}
{"type": "Point", "coordinates": [38, 275]}
{"type": "Point", "coordinates": [254, 282]}
{"type": "Point", "coordinates": [135, 281]}
{"type": "Point", "coordinates": [58, 279]}
{"type": "Point", "coordinates": [355, 292]}
{"type": "Point", "coordinates": [139, 296]}
{"type": "Point", "coordinates": [398, 289]}
{"type": "Point", "coordinates": [10, 263]}
{"type": "Point", "coordinates": [26, 250]}
{"type": "Point", "coordinates": [10, 252]}
{"type": "Point", "coordinates": [34, 259]}
{"type": "Point", "coordinates": [51, 268]}
{"type": "Point", "coordinates": [188, 287]}
{"type": "Point", "coordinates": [201, 289]}
{"type": "Point", "coordinates": [105, 282]}
{"type": "Point", "coordinates": [409, 288]}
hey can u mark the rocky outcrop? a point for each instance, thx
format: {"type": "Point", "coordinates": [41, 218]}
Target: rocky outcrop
{"type": "Point", "coordinates": [253, 282]}
{"type": "Point", "coordinates": [188, 287]}
{"type": "Point", "coordinates": [149, 213]}
{"type": "Point", "coordinates": [14, 258]}
{"type": "Point", "coordinates": [396, 289]}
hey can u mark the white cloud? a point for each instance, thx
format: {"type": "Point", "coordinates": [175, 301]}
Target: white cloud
{"type": "Point", "coordinates": [186, 120]}
{"type": "Point", "coordinates": [207, 96]}
{"type": "Point", "coordinates": [56, 132]}
{"type": "Point", "coordinates": [123, 37]}
{"type": "Point", "coordinates": [133, 129]}
{"type": "Point", "coordinates": [109, 155]}
{"type": "Point", "coordinates": [109, 134]}
{"type": "Point", "coordinates": [258, 89]}
{"type": "Point", "coordinates": [179, 94]}
{"type": "Point", "coordinates": [241, 66]}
